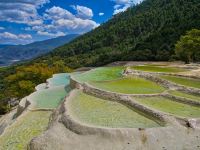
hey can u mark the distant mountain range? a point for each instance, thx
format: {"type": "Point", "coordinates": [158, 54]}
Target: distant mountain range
{"type": "Point", "coordinates": [13, 53]}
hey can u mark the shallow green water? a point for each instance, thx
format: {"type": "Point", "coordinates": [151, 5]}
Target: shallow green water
{"type": "Point", "coordinates": [49, 98]}
{"type": "Point", "coordinates": [183, 81]}
{"type": "Point", "coordinates": [130, 85]}
{"type": "Point", "coordinates": [100, 74]}
{"type": "Point", "coordinates": [154, 68]}
{"type": "Point", "coordinates": [19, 134]}
{"type": "Point", "coordinates": [172, 107]}
{"type": "Point", "coordinates": [99, 112]}
{"type": "Point", "coordinates": [59, 79]}
{"type": "Point", "coordinates": [186, 95]}
{"type": "Point", "coordinates": [52, 96]}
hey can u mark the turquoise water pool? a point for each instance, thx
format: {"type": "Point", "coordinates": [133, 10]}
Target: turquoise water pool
{"type": "Point", "coordinates": [49, 98]}
{"type": "Point", "coordinates": [52, 96]}
{"type": "Point", "coordinates": [59, 79]}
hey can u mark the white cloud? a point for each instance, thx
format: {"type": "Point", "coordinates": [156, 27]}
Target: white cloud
{"type": "Point", "coordinates": [123, 1]}
{"type": "Point", "coordinates": [21, 11]}
{"type": "Point", "coordinates": [10, 38]}
{"type": "Point", "coordinates": [77, 24]}
{"type": "Point", "coordinates": [121, 9]}
{"type": "Point", "coordinates": [117, 6]}
{"type": "Point", "coordinates": [35, 22]}
{"type": "Point", "coordinates": [8, 35]}
{"type": "Point", "coordinates": [56, 13]}
{"type": "Point", "coordinates": [83, 12]}
{"type": "Point", "coordinates": [123, 5]}
{"type": "Point", "coordinates": [25, 36]}
{"type": "Point", "coordinates": [51, 34]}
{"type": "Point", "coordinates": [32, 2]}
{"type": "Point", "coordinates": [55, 21]}
{"type": "Point", "coordinates": [101, 14]}
{"type": "Point", "coordinates": [65, 22]}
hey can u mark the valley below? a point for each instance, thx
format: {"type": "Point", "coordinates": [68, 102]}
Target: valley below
{"type": "Point", "coordinates": [12, 54]}
{"type": "Point", "coordinates": [123, 105]}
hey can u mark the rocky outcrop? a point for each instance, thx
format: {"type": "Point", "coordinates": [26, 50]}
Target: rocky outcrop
{"type": "Point", "coordinates": [24, 103]}
{"type": "Point", "coordinates": [194, 123]}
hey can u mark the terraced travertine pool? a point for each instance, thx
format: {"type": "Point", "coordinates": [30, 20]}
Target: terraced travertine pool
{"type": "Point", "coordinates": [186, 95]}
{"type": "Point", "coordinates": [129, 85]}
{"type": "Point", "coordinates": [100, 74]}
{"type": "Point", "coordinates": [59, 79]}
{"type": "Point", "coordinates": [19, 134]}
{"type": "Point", "coordinates": [95, 111]}
{"type": "Point", "coordinates": [195, 83]}
{"type": "Point", "coordinates": [171, 107]}
{"type": "Point", "coordinates": [158, 68]}
{"type": "Point", "coordinates": [32, 123]}
{"type": "Point", "coordinates": [49, 98]}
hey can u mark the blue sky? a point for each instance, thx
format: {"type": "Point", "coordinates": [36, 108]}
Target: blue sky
{"type": "Point", "coordinates": [26, 21]}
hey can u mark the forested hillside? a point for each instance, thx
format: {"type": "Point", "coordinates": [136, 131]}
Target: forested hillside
{"type": "Point", "coordinates": [148, 31]}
